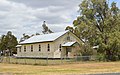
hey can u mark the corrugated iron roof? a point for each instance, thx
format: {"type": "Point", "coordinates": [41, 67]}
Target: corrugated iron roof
{"type": "Point", "coordinates": [43, 38]}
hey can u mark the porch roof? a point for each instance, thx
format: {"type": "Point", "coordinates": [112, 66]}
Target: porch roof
{"type": "Point", "coordinates": [18, 45]}
{"type": "Point", "coordinates": [68, 44]}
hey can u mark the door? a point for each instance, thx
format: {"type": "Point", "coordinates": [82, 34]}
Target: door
{"type": "Point", "coordinates": [68, 51]}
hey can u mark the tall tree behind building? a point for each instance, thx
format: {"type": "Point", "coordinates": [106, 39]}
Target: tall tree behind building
{"type": "Point", "coordinates": [46, 30]}
{"type": "Point", "coordinates": [24, 37]}
{"type": "Point", "coordinates": [99, 25]}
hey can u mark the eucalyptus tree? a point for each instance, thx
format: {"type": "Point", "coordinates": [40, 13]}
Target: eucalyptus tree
{"type": "Point", "coordinates": [8, 42]}
{"type": "Point", "coordinates": [99, 25]}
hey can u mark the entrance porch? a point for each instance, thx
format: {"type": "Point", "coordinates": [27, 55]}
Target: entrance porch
{"type": "Point", "coordinates": [69, 49]}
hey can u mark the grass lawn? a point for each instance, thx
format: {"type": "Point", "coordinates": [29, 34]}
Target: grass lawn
{"type": "Point", "coordinates": [66, 69]}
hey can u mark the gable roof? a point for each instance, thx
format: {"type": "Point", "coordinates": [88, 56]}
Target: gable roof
{"type": "Point", "coordinates": [43, 38]}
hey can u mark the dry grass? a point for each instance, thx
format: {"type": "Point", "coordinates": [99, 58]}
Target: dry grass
{"type": "Point", "coordinates": [79, 68]}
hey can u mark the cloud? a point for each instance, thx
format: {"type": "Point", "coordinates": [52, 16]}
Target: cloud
{"type": "Point", "coordinates": [26, 16]}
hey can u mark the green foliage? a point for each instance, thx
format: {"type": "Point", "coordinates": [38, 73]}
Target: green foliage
{"type": "Point", "coordinates": [25, 37]}
{"type": "Point", "coordinates": [9, 42]}
{"type": "Point", "coordinates": [70, 29]}
{"type": "Point", "coordinates": [101, 57]}
{"type": "Point", "coordinates": [86, 50]}
{"type": "Point", "coordinates": [99, 25]}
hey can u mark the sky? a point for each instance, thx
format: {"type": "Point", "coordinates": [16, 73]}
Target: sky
{"type": "Point", "coordinates": [27, 16]}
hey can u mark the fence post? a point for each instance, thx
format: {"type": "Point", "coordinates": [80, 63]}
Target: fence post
{"type": "Point", "coordinates": [47, 61]}
{"type": "Point", "coordinates": [25, 58]}
{"type": "Point", "coordinates": [16, 60]}
{"type": "Point", "coordinates": [35, 60]}
{"type": "Point", "coordinates": [76, 58]}
{"type": "Point", "coordinates": [24, 61]}
{"type": "Point", "coordinates": [61, 60]}
{"type": "Point", "coordinates": [9, 59]}
{"type": "Point", "coordinates": [5, 59]}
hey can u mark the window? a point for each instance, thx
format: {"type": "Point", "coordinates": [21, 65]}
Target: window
{"type": "Point", "coordinates": [48, 47]}
{"type": "Point", "coordinates": [68, 38]}
{"type": "Point", "coordinates": [60, 47]}
{"type": "Point", "coordinates": [39, 47]}
{"type": "Point", "coordinates": [31, 48]}
{"type": "Point", "coordinates": [68, 49]}
{"type": "Point", "coordinates": [24, 48]}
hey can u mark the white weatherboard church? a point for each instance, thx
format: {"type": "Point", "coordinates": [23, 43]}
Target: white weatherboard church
{"type": "Point", "coordinates": [53, 45]}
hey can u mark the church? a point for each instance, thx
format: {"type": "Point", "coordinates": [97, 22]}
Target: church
{"type": "Point", "coordinates": [52, 45]}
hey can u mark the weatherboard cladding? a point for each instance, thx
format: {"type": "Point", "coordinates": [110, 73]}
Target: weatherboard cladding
{"type": "Point", "coordinates": [43, 38]}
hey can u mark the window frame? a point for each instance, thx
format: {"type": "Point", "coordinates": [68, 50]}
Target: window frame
{"type": "Point", "coordinates": [39, 47]}
{"type": "Point", "coordinates": [24, 48]}
{"type": "Point", "coordinates": [31, 48]}
{"type": "Point", "coordinates": [60, 47]}
{"type": "Point", "coordinates": [68, 38]}
{"type": "Point", "coordinates": [48, 47]}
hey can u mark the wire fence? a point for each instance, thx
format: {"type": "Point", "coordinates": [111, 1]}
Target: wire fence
{"type": "Point", "coordinates": [47, 61]}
